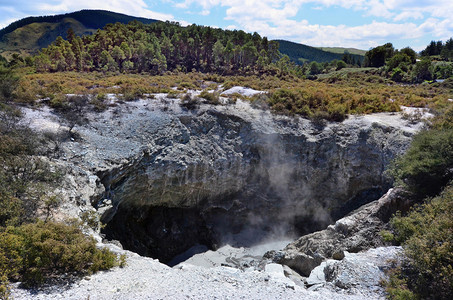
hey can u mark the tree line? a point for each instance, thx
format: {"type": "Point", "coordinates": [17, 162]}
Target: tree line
{"type": "Point", "coordinates": [406, 65]}
{"type": "Point", "coordinates": [445, 50]}
{"type": "Point", "coordinates": [158, 47]}
{"type": "Point", "coordinates": [300, 54]}
{"type": "Point", "coordinates": [166, 46]}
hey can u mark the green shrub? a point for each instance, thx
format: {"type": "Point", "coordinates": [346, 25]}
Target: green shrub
{"type": "Point", "coordinates": [99, 105]}
{"type": "Point", "coordinates": [34, 253]}
{"type": "Point", "coordinates": [337, 112]}
{"type": "Point", "coordinates": [319, 118]}
{"type": "Point", "coordinates": [22, 177]}
{"type": "Point", "coordinates": [74, 110]}
{"type": "Point", "coordinates": [130, 93]}
{"type": "Point", "coordinates": [58, 101]}
{"type": "Point", "coordinates": [427, 166]}
{"type": "Point", "coordinates": [444, 121]}
{"type": "Point", "coordinates": [190, 102]}
{"type": "Point", "coordinates": [5, 291]}
{"type": "Point", "coordinates": [90, 219]}
{"type": "Point", "coordinates": [286, 101]}
{"type": "Point", "coordinates": [187, 85]}
{"type": "Point", "coordinates": [426, 235]}
{"type": "Point", "coordinates": [173, 94]}
{"type": "Point", "coordinates": [396, 286]}
{"type": "Point", "coordinates": [8, 84]}
{"type": "Point", "coordinates": [211, 98]}
{"type": "Point", "coordinates": [397, 74]}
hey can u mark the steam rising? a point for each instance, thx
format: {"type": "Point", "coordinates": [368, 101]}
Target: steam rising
{"type": "Point", "coordinates": [241, 176]}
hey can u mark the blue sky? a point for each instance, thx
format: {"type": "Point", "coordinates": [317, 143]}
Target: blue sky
{"type": "Point", "coordinates": [344, 23]}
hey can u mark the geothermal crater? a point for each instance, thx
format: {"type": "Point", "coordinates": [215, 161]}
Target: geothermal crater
{"type": "Point", "coordinates": [169, 178]}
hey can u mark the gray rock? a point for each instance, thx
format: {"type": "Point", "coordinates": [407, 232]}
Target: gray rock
{"type": "Point", "coordinates": [294, 276]}
{"type": "Point", "coordinates": [362, 271]}
{"type": "Point", "coordinates": [317, 275]}
{"type": "Point", "coordinates": [301, 262]}
{"type": "Point", "coordinates": [356, 232]}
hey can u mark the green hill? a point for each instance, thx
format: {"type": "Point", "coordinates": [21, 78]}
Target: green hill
{"type": "Point", "coordinates": [300, 52]}
{"type": "Point", "coordinates": [33, 33]}
{"type": "Point", "coordinates": [341, 50]}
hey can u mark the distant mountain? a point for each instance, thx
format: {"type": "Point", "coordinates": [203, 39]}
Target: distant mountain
{"type": "Point", "coordinates": [33, 33]}
{"type": "Point", "coordinates": [301, 53]}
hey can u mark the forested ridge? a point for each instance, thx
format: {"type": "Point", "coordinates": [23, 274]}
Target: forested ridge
{"type": "Point", "coordinates": [300, 53]}
{"type": "Point", "coordinates": [158, 47]}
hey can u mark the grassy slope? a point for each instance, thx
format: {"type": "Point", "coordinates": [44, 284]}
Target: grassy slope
{"type": "Point", "coordinates": [34, 36]}
{"type": "Point", "coordinates": [31, 34]}
{"type": "Point", "coordinates": [297, 52]}
{"type": "Point", "coordinates": [340, 50]}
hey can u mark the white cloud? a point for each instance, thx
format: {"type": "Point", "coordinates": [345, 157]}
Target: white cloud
{"type": "Point", "coordinates": [406, 15]}
{"type": "Point", "coordinates": [393, 19]}
{"type": "Point", "coordinates": [131, 7]}
{"type": "Point", "coordinates": [206, 4]}
{"type": "Point", "coordinates": [364, 36]}
{"type": "Point", "coordinates": [378, 9]}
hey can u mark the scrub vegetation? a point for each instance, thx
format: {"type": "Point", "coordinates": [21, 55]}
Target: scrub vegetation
{"type": "Point", "coordinates": [34, 248]}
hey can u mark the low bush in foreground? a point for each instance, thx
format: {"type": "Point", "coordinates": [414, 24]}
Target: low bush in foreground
{"type": "Point", "coordinates": [36, 252]}
{"type": "Point", "coordinates": [426, 234]}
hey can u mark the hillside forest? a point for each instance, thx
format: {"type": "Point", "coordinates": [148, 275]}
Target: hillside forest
{"type": "Point", "coordinates": [158, 47]}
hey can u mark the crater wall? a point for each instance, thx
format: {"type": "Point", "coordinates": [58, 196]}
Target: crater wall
{"type": "Point", "coordinates": [168, 178]}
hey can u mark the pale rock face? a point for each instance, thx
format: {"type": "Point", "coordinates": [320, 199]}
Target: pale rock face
{"type": "Point", "coordinates": [167, 179]}
{"type": "Point", "coordinates": [359, 231]}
